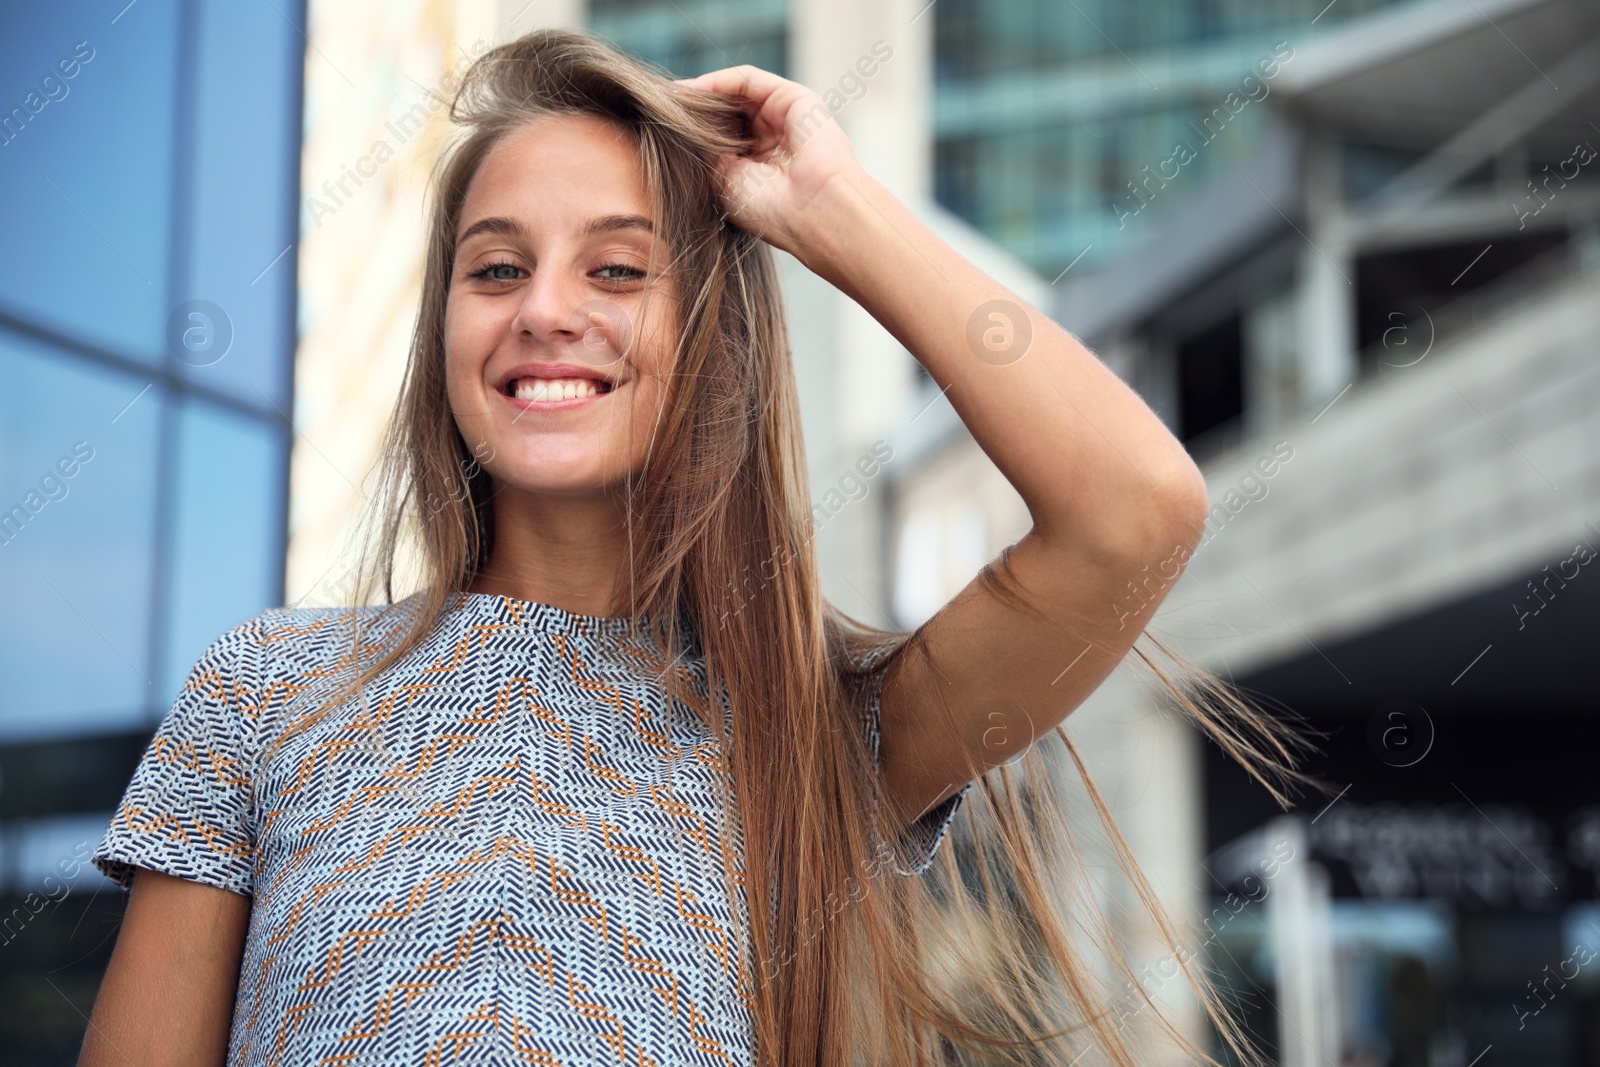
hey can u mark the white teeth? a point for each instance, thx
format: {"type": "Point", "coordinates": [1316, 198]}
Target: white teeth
{"type": "Point", "coordinates": [555, 388]}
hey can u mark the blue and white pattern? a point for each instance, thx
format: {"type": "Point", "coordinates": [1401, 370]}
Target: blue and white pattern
{"type": "Point", "coordinates": [515, 854]}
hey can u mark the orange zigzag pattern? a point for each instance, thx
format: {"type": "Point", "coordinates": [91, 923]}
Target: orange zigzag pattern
{"type": "Point", "coordinates": [459, 656]}
{"type": "Point", "coordinates": [357, 940]}
{"type": "Point", "coordinates": [544, 965]}
{"type": "Point", "coordinates": [490, 1013]}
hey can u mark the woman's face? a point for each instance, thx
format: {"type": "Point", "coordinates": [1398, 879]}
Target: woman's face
{"type": "Point", "coordinates": [556, 366]}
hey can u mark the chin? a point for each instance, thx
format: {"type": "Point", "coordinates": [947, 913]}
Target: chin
{"type": "Point", "coordinates": [555, 480]}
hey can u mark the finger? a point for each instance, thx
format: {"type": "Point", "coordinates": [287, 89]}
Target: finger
{"type": "Point", "coordinates": [746, 81]}
{"type": "Point", "coordinates": [770, 101]}
{"type": "Point", "coordinates": [698, 83]}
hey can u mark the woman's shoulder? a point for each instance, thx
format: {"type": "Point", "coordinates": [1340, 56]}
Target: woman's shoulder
{"type": "Point", "coordinates": [293, 639]}
{"type": "Point", "coordinates": [309, 629]}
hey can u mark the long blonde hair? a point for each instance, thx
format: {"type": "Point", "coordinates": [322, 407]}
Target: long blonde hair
{"type": "Point", "coordinates": [985, 958]}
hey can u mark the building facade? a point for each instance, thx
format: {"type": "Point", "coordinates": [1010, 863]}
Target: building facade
{"type": "Point", "coordinates": [1377, 336]}
{"type": "Point", "coordinates": [149, 155]}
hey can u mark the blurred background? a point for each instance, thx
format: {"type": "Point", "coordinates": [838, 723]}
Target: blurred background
{"type": "Point", "coordinates": [1350, 251]}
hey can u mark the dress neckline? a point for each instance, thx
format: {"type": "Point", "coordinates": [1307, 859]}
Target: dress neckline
{"type": "Point", "coordinates": [547, 618]}
{"type": "Point", "coordinates": [535, 615]}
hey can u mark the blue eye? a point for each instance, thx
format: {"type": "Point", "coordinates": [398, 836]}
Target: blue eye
{"type": "Point", "coordinates": [488, 268]}
{"type": "Point", "coordinates": [633, 272]}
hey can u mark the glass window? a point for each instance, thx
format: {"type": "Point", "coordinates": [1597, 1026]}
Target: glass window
{"type": "Point", "coordinates": [243, 222]}
{"type": "Point", "coordinates": [149, 159]}
{"type": "Point", "coordinates": [49, 855]}
{"type": "Point", "coordinates": [1014, 80]}
{"type": "Point", "coordinates": [86, 168]}
{"type": "Point", "coordinates": [691, 37]}
{"type": "Point", "coordinates": [77, 539]}
{"type": "Point", "coordinates": [227, 537]}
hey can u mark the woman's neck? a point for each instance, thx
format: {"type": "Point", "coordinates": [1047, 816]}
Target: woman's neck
{"type": "Point", "coordinates": [566, 552]}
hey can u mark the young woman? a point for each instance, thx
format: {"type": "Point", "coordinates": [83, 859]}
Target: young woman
{"type": "Point", "coordinates": [616, 785]}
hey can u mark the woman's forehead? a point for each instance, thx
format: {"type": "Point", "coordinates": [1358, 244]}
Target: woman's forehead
{"type": "Point", "coordinates": [582, 151]}
{"type": "Point", "coordinates": [575, 173]}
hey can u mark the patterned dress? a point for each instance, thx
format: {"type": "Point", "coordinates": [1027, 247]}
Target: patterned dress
{"type": "Point", "coordinates": [514, 855]}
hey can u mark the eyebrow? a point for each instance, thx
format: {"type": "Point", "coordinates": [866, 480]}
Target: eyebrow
{"type": "Point", "coordinates": [508, 227]}
{"type": "Point", "coordinates": [612, 223]}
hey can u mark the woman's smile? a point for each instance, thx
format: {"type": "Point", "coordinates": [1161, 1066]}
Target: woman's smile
{"type": "Point", "coordinates": [556, 394]}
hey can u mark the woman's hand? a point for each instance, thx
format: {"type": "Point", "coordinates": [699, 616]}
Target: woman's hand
{"type": "Point", "coordinates": [798, 149]}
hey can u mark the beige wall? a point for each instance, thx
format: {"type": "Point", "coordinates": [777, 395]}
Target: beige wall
{"type": "Point", "coordinates": [378, 78]}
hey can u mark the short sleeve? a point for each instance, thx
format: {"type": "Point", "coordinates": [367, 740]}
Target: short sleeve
{"type": "Point", "coordinates": [186, 811]}
{"type": "Point", "coordinates": [919, 843]}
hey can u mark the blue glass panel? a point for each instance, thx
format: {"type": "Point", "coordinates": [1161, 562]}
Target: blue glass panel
{"type": "Point", "coordinates": [242, 214]}
{"type": "Point", "coordinates": [46, 855]}
{"type": "Point", "coordinates": [690, 37]}
{"type": "Point", "coordinates": [75, 548]}
{"type": "Point", "coordinates": [226, 531]}
{"type": "Point", "coordinates": [87, 176]}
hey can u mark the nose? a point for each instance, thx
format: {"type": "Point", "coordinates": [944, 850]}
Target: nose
{"type": "Point", "coordinates": [548, 311]}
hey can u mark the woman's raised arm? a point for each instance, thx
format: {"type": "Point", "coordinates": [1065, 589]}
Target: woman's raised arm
{"type": "Point", "coordinates": [1116, 502]}
{"type": "Point", "coordinates": [167, 997]}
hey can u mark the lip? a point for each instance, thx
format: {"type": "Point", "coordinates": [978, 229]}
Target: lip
{"type": "Point", "coordinates": [552, 370]}
{"type": "Point", "coordinates": [549, 371]}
